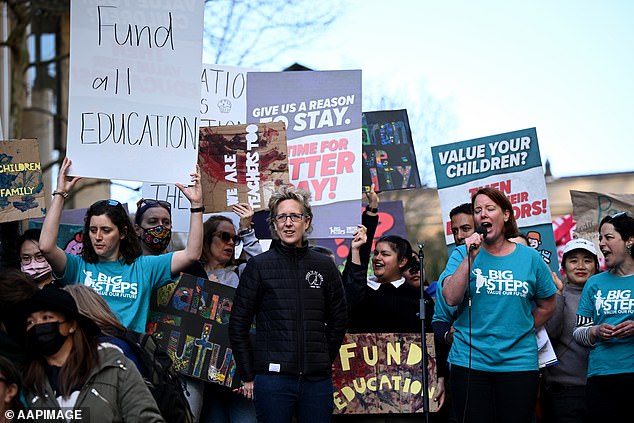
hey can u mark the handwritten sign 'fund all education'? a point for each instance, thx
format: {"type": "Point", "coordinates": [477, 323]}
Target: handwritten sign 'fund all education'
{"type": "Point", "coordinates": [135, 89]}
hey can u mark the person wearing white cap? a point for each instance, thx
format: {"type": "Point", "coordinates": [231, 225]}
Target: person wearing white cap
{"type": "Point", "coordinates": [605, 323]}
{"type": "Point", "coordinates": [563, 397]}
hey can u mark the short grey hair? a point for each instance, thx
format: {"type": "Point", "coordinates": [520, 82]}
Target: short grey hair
{"type": "Point", "coordinates": [287, 192]}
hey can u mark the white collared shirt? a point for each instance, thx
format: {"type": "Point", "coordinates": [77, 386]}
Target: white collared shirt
{"type": "Point", "coordinates": [372, 283]}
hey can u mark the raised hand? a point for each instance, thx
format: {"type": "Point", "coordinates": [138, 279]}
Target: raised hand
{"type": "Point", "coordinates": [63, 183]}
{"type": "Point", "coordinates": [246, 213]}
{"type": "Point", "coordinates": [360, 237]}
{"type": "Point", "coordinates": [373, 198]}
{"type": "Point", "coordinates": [194, 193]}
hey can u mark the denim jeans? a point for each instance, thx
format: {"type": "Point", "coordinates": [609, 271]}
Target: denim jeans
{"type": "Point", "coordinates": [221, 405]}
{"type": "Point", "coordinates": [278, 397]}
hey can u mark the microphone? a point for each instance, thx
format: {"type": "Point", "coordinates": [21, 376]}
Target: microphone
{"type": "Point", "coordinates": [482, 231]}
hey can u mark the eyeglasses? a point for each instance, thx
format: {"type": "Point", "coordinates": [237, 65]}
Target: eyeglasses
{"type": "Point", "coordinates": [150, 202]}
{"type": "Point", "coordinates": [226, 237]}
{"type": "Point", "coordinates": [37, 257]}
{"type": "Point", "coordinates": [295, 217]}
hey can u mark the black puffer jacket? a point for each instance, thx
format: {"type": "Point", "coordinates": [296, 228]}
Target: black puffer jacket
{"type": "Point", "coordinates": [297, 298]}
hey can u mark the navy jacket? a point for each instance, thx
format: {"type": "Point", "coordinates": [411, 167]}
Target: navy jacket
{"type": "Point", "coordinates": [298, 301]}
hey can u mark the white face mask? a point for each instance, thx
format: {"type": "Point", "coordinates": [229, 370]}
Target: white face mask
{"type": "Point", "coordinates": [37, 270]}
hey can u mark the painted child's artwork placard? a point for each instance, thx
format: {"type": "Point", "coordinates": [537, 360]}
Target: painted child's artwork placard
{"type": "Point", "coordinates": [21, 184]}
{"type": "Point", "coordinates": [190, 318]}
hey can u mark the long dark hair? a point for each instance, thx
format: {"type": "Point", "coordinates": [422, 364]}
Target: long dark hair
{"type": "Point", "coordinates": [623, 224]}
{"type": "Point", "coordinates": [401, 246]}
{"type": "Point", "coordinates": [209, 229]}
{"type": "Point", "coordinates": [129, 246]}
{"type": "Point", "coordinates": [15, 286]}
{"type": "Point", "coordinates": [83, 358]}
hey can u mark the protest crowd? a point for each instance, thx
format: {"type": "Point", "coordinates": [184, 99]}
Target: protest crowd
{"type": "Point", "coordinates": [63, 333]}
{"type": "Point", "coordinates": [285, 300]}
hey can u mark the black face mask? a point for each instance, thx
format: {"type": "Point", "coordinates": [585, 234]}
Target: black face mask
{"type": "Point", "coordinates": [45, 339]}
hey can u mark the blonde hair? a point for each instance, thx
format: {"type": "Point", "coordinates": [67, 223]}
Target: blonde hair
{"type": "Point", "coordinates": [92, 305]}
{"type": "Point", "coordinates": [287, 192]}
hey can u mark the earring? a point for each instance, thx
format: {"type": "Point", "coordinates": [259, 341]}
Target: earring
{"type": "Point", "coordinates": [629, 249]}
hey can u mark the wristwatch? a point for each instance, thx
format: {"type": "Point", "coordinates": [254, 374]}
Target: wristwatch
{"type": "Point", "coordinates": [245, 232]}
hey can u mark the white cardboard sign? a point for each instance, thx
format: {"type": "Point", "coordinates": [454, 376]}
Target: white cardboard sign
{"type": "Point", "coordinates": [135, 89]}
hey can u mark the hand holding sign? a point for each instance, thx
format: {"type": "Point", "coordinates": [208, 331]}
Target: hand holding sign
{"type": "Point", "coordinates": [246, 213]}
{"type": "Point", "coordinates": [64, 185]}
{"type": "Point", "coordinates": [194, 193]}
{"type": "Point", "coordinates": [373, 198]}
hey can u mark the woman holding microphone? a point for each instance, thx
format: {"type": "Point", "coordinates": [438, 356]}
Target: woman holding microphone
{"type": "Point", "coordinates": [503, 291]}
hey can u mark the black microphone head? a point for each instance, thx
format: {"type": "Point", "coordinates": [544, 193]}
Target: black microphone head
{"type": "Point", "coordinates": [482, 231]}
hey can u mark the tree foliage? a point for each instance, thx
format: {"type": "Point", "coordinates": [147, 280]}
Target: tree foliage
{"type": "Point", "coordinates": [252, 32]}
{"type": "Point", "coordinates": [23, 14]}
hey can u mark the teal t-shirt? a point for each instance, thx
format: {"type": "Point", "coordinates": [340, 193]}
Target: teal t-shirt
{"type": "Point", "coordinates": [607, 298]}
{"type": "Point", "coordinates": [442, 311]}
{"type": "Point", "coordinates": [127, 288]}
{"type": "Point", "coordinates": [503, 290]}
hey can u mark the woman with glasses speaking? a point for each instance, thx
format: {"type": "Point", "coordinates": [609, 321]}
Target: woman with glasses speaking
{"type": "Point", "coordinates": [605, 323]}
{"type": "Point", "coordinates": [112, 262]}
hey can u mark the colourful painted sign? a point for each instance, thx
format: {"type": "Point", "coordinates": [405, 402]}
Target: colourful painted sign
{"type": "Point", "coordinates": [21, 185]}
{"type": "Point", "coordinates": [379, 373]}
{"type": "Point", "coordinates": [190, 318]}
{"type": "Point", "coordinates": [389, 159]}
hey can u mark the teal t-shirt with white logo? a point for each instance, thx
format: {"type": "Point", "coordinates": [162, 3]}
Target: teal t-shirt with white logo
{"type": "Point", "coordinates": [127, 288]}
{"type": "Point", "coordinates": [442, 311]}
{"type": "Point", "coordinates": [607, 298]}
{"type": "Point", "coordinates": [503, 290]}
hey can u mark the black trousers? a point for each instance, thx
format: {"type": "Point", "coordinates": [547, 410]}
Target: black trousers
{"type": "Point", "coordinates": [564, 404]}
{"type": "Point", "coordinates": [610, 397]}
{"type": "Point", "coordinates": [494, 397]}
